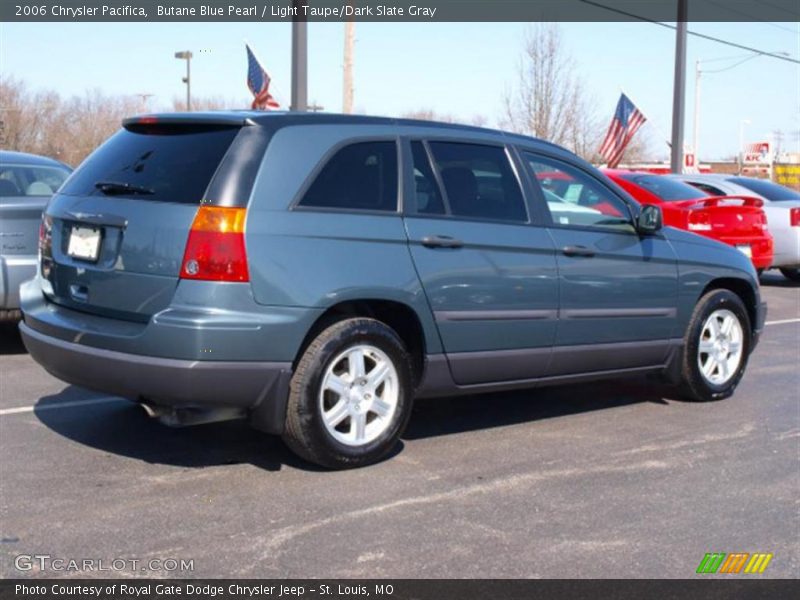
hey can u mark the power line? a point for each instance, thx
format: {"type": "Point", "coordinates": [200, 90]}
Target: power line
{"type": "Point", "coordinates": [782, 8]}
{"type": "Point", "coordinates": [749, 16]}
{"type": "Point", "coordinates": [694, 33]}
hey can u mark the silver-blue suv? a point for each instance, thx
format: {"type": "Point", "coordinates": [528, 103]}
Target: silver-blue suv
{"type": "Point", "coordinates": [316, 273]}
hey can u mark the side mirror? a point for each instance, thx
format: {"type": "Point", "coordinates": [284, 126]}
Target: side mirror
{"type": "Point", "coordinates": [650, 219]}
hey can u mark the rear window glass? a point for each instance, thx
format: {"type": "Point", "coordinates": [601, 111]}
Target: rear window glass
{"type": "Point", "coordinates": [160, 163]}
{"type": "Point", "coordinates": [665, 188]}
{"type": "Point", "coordinates": [360, 176]}
{"type": "Point", "coordinates": [30, 180]}
{"type": "Point", "coordinates": [770, 191]}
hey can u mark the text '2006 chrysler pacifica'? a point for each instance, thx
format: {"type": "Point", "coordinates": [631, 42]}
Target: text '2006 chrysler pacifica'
{"type": "Point", "coordinates": [316, 273]}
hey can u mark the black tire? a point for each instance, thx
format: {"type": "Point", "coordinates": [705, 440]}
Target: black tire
{"type": "Point", "coordinates": [305, 433]}
{"type": "Point", "coordinates": [694, 386]}
{"type": "Point", "coordinates": [791, 274]}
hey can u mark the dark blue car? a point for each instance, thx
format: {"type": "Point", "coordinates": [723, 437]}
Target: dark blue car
{"type": "Point", "coordinates": [316, 273]}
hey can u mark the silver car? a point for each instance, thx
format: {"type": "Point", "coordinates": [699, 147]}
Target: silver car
{"type": "Point", "coordinates": [27, 182]}
{"type": "Point", "coordinates": [781, 205]}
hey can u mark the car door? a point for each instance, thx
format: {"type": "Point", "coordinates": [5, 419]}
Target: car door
{"type": "Point", "coordinates": [488, 273]}
{"type": "Point", "coordinates": [618, 289]}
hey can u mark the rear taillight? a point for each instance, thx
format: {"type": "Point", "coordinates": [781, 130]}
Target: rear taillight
{"type": "Point", "coordinates": [215, 250]}
{"type": "Point", "coordinates": [45, 244]}
{"type": "Point", "coordinates": [699, 221]}
{"type": "Point", "coordinates": [794, 216]}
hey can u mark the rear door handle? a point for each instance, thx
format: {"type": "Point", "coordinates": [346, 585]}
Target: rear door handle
{"type": "Point", "coordinates": [577, 251]}
{"type": "Point", "coordinates": [441, 241]}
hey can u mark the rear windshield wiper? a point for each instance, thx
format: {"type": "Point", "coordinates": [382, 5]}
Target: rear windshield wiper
{"type": "Point", "coordinates": [111, 188]}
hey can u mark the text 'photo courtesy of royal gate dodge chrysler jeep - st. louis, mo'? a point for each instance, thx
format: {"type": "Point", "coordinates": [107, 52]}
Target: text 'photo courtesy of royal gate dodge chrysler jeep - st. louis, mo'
{"type": "Point", "coordinates": [317, 273]}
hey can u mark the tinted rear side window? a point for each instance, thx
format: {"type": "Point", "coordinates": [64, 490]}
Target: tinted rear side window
{"type": "Point", "coordinates": [164, 163]}
{"type": "Point", "coordinates": [479, 182]}
{"type": "Point", "coordinates": [361, 176]}
{"type": "Point", "coordinates": [770, 191]}
{"type": "Point", "coordinates": [665, 188]}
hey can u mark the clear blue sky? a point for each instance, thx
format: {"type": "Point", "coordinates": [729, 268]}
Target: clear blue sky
{"type": "Point", "coordinates": [456, 68]}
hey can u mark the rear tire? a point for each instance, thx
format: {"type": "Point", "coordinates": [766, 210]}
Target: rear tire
{"type": "Point", "coordinates": [791, 274]}
{"type": "Point", "coordinates": [716, 347]}
{"type": "Point", "coordinates": [350, 396]}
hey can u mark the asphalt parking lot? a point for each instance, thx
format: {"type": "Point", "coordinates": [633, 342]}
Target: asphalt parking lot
{"type": "Point", "coordinates": [610, 480]}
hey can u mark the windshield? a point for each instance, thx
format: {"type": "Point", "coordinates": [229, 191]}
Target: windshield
{"type": "Point", "coordinates": [770, 191]}
{"type": "Point", "coordinates": [159, 163]}
{"type": "Point", "coordinates": [669, 190]}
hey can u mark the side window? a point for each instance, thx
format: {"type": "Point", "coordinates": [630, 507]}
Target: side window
{"type": "Point", "coordinates": [426, 191]}
{"type": "Point", "coordinates": [479, 182]}
{"type": "Point", "coordinates": [575, 198]}
{"type": "Point", "coordinates": [360, 176]}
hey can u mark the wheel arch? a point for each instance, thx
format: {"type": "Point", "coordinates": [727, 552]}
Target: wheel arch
{"type": "Point", "coordinates": [743, 289]}
{"type": "Point", "coordinates": [401, 317]}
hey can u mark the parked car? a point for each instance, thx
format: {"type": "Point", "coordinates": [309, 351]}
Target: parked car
{"type": "Point", "coordinates": [735, 219]}
{"type": "Point", "coordinates": [316, 273]}
{"type": "Point", "coordinates": [26, 183]}
{"type": "Point", "coordinates": [781, 205]}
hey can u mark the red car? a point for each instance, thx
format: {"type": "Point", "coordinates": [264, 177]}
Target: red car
{"type": "Point", "coordinates": [735, 220]}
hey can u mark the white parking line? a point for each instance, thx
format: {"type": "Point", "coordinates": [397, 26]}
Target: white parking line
{"type": "Point", "coordinates": [782, 322]}
{"type": "Point", "coordinates": [56, 405]}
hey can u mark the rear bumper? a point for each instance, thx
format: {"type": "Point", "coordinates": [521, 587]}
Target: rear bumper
{"type": "Point", "coordinates": [761, 248]}
{"type": "Point", "coordinates": [13, 271]}
{"type": "Point", "coordinates": [258, 387]}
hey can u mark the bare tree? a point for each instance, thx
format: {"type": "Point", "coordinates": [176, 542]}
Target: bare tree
{"type": "Point", "coordinates": [428, 114]}
{"type": "Point", "coordinates": [210, 103]}
{"type": "Point", "coordinates": [549, 100]}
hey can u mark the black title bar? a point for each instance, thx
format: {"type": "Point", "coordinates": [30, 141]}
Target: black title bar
{"type": "Point", "coordinates": [391, 11]}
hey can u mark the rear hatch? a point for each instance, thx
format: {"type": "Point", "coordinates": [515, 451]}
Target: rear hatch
{"type": "Point", "coordinates": [115, 235]}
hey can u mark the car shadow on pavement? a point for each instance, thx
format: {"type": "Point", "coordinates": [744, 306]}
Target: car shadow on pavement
{"type": "Point", "coordinates": [442, 416]}
{"type": "Point", "coordinates": [777, 280]}
{"type": "Point", "coordinates": [123, 428]}
{"type": "Point", "coordinates": [10, 341]}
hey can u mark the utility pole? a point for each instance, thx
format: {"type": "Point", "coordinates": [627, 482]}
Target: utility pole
{"type": "Point", "coordinates": [679, 90]}
{"type": "Point", "coordinates": [299, 60]}
{"type": "Point", "coordinates": [144, 96]}
{"type": "Point", "coordinates": [347, 84]}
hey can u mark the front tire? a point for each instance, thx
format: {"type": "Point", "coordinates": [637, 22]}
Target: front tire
{"type": "Point", "coordinates": [350, 396]}
{"type": "Point", "coordinates": [716, 347]}
{"type": "Point", "coordinates": [791, 274]}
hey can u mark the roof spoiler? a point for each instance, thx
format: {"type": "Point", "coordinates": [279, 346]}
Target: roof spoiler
{"type": "Point", "coordinates": [715, 201]}
{"type": "Point", "coordinates": [219, 119]}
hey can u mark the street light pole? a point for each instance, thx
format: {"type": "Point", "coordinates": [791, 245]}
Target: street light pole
{"type": "Point", "coordinates": [679, 91]}
{"type": "Point", "coordinates": [187, 56]}
{"type": "Point", "coordinates": [696, 133]}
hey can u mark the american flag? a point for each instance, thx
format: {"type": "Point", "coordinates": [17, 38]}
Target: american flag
{"type": "Point", "coordinates": [258, 81]}
{"type": "Point", "coordinates": [626, 122]}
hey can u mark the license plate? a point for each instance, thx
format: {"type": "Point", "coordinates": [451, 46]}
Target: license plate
{"type": "Point", "coordinates": [84, 243]}
{"type": "Point", "coordinates": [745, 249]}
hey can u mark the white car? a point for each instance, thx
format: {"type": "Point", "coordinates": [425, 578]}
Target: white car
{"type": "Point", "coordinates": [781, 205]}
